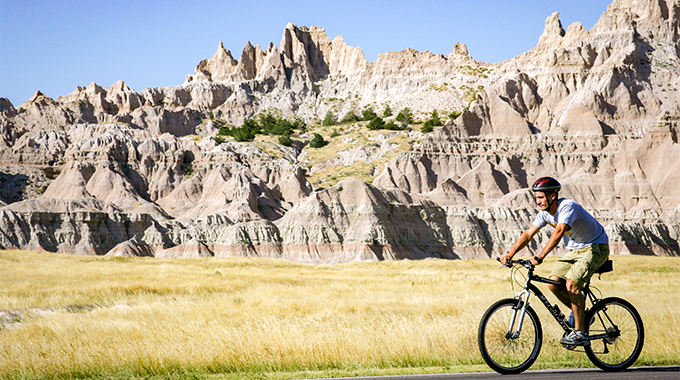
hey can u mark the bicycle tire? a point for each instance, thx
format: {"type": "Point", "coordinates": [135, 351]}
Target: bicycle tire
{"type": "Point", "coordinates": [509, 355]}
{"type": "Point", "coordinates": [621, 321]}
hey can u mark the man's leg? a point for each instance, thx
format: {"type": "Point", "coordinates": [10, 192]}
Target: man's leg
{"type": "Point", "coordinates": [589, 259]}
{"type": "Point", "coordinates": [578, 304]}
{"type": "Point", "coordinates": [560, 291]}
{"type": "Point", "coordinates": [583, 264]}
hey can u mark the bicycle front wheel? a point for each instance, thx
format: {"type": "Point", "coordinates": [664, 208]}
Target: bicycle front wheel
{"type": "Point", "coordinates": [623, 335]}
{"type": "Point", "coordinates": [505, 349]}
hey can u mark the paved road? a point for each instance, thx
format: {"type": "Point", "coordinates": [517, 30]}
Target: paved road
{"type": "Point", "coordinates": [653, 373]}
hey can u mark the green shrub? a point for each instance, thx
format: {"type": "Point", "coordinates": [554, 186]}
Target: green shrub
{"type": "Point", "coordinates": [273, 125]}
{"type": "Point", "coordinates": [224, 131]}
{"type": "Point", "coordinates": [268, 124]}
{"type": "Point", "coordinates": [368, 114]}
{"type": "Point", "coordinates": [299, 124]}
{"type": "Point", "coordinates": [282, 127]}
{"type": "Point", "coordinates": [350, 117]}
{"type": "Point", "coordinates": [436, 121]}
{"type": "Point", "coordinates": [376, 123]}
{"type": "Point", "coordinates": [318, 141]}
{"type": "Point", "coordinates": [454, 115]}
{"type": "Point", "coordinates": [285, 140]}
{"type": "Point", "coordinates": [243, 134]}
{"type": "Point", "coordinates": [433, 121]}
{"type": "Point", "coordinates": [335, 133]}
{"type": "Point", "coordinates": [330, 119]}
{"type": "Point", "coordinates": [387, 112]}
{"type": "Point", "coordinates": [391, 125]}
{"type": "Point", "coordinates": [405, 116]}
{"type": "Point", "coordinates": [252, 125]}
{"type": "Point", "coordinates": [427, 126]}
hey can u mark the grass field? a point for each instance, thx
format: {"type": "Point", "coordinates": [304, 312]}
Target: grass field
{"type": "Point", "coordinates": [95, 317]}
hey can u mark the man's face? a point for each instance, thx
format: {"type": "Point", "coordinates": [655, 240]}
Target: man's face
{"type": "Point", "coordinates": [542, 200]}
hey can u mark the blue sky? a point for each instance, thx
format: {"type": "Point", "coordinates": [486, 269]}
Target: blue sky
{"type": "Point", "coordinates": [54, 46]}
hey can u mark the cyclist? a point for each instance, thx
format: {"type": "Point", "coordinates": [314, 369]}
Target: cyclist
{"type": "Point", "coordinates": [584, 237]}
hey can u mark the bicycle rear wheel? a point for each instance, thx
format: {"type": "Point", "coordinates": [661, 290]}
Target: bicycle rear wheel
{"type": "Point", "coordinates": [620, 323]}
{"type": "Point", "coordinates": [503, 351]}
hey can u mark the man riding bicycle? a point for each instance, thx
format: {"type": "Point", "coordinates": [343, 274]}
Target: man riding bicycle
{"type": "Point", "coordinates": [584, 237]}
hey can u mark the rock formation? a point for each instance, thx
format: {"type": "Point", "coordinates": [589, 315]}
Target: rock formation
{"type": "Point", "coordinates": [112, 171]}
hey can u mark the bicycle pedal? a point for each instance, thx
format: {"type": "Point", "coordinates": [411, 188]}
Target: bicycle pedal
{"type": "Point", "coordinates": [570, 347]}
{"type": "Point", "coordinates": [573, 347]}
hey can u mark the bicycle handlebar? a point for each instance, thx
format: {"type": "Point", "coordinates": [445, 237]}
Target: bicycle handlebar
{"type": "Point", "coordinates": [525, 263]}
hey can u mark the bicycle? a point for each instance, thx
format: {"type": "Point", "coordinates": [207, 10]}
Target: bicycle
{"type": "Point", "coordinates": [510, 334]}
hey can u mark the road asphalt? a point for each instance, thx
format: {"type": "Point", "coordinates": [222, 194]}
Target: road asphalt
{"type": "Point", "coordinates": [636, 373]}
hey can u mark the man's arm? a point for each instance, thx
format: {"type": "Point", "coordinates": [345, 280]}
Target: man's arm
{"type": "Point", "coordinates": [522, 242]}
{"type": "Point", "coordinates": [555, 238]}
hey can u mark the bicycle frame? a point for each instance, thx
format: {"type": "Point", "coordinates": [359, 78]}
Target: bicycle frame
{"type": "Point", "coordinates": [529, 288]}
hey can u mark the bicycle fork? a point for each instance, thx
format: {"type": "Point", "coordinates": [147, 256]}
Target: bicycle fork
{"type": "Point", "coordinates": [521, 307]}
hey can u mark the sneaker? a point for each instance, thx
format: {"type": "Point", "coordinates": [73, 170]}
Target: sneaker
{"type": "Point", "coordinates": [575, 338]}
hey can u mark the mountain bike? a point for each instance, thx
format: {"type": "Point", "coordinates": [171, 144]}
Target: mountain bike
{"type": "Point", "coordinates": [510, 334]}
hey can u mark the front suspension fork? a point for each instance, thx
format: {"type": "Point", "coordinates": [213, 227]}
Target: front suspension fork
{"type": "Point", "coordinates": [520, 307]}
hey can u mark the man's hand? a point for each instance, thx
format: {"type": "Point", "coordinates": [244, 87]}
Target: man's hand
{"type": "Point", "coordinates": [504, 259]}
{"type": "Point", "coordinates": [536, 260]}
{"type": "Point", "coordinates": [522, 242]}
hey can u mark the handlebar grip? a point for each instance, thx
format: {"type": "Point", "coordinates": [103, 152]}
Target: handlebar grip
{"type": "Point", "coordinates": [510, 263]}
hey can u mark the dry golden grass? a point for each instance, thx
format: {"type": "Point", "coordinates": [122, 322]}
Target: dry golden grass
{"type": "Point", "coordinates": [76, 316]}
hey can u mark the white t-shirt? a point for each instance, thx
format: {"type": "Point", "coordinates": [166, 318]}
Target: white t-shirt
{"type": "Point", "coordinates": [585, 230]}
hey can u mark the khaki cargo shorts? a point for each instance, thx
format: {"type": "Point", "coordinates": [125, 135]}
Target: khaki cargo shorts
{"type": "Point", "coordinates": [580, 264]}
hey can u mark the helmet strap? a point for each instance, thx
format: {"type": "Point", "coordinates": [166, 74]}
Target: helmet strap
{"type": "Point", "coordinates": [550, 202]}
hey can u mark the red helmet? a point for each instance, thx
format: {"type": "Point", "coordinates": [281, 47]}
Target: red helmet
{"type": "Point", "coordinates": [546, 185]}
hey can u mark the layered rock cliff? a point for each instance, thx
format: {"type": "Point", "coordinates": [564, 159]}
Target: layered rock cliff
{"type": "Point", "coordinates": [113, 171]}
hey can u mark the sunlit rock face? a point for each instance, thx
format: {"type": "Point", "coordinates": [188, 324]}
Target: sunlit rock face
{"type": "Point", "coordinates": [113, 171]}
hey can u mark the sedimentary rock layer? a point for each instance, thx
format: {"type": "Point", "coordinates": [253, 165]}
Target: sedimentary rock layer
{"type": "Point", "coordinates": [113, 171]}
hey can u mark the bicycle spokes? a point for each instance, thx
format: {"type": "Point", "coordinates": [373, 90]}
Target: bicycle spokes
{"type": "Point", "coordinates": [508, 343]}
{"type": "Point", "coordinates": [616, 333]}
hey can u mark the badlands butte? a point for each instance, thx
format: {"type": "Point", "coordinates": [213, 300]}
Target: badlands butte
{"type": "Point", "coordinates": [110, 171]}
